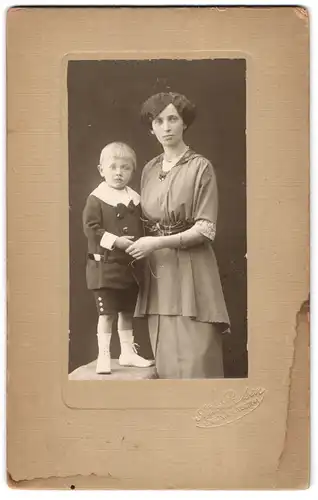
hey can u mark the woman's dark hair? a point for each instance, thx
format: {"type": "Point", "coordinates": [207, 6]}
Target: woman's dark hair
{"type": "Point", "coordinates": [153, 106]}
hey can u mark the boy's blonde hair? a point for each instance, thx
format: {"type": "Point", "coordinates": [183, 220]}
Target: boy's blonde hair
{"type": "Point", "coordinates": [118, 150]}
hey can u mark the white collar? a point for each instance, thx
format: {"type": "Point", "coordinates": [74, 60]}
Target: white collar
{"type": "Point", "coordinates": [113, 196]}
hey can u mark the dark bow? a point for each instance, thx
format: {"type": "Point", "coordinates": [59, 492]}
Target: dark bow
{"type": "Point", "coordinates": [122, 210]}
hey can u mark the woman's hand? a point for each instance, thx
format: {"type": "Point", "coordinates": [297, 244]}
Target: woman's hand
{"type": "Point", "coordinates": [143, 247]}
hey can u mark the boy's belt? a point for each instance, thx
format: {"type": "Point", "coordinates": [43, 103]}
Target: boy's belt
{"type": "Point", "coordinates": [97, 257]}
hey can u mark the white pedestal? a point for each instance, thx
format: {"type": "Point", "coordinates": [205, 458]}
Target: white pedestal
{"type": "Point", "coordinates": [87, 372]}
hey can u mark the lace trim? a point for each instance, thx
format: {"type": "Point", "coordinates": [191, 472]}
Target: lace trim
{"type": "Point", "coordinates": [207, 228]}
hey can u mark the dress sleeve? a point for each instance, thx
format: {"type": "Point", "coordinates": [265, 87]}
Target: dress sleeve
{"type": "Point", "coordinates": [146, 171]}
{"type": "Point", "coordinates": [206, 228]}
{"type": "Point", "coordinates": [205, 206]}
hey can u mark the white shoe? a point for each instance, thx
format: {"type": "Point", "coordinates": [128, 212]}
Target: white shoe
{"type": "Point", "coordinates": [103, 362]}
{"type": "Point", "coordinates": [130, 357]}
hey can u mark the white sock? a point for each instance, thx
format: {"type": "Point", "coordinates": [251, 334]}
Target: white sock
{"type": "Point", "coordinates": [126, 341]}
{"type": "Point", "coordinates": [104, 340]}
{"type": "Point", "coordinates": [126, 336]}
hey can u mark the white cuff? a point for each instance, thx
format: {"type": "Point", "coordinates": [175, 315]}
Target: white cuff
{"type": "Point", "coordinates": [108, 240]}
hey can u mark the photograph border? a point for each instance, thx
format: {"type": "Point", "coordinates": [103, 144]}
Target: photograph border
{"type": "Point", "coordinates": [158, 393]}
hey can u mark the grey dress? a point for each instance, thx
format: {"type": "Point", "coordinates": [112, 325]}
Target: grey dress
{"type": "Point", "coordinates": [182, 293]}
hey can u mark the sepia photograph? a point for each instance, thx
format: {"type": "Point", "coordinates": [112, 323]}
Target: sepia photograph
{"type": "Point", "coordinates": [157, 219]}
{"type": "Point", "coordinates": [158, 248]}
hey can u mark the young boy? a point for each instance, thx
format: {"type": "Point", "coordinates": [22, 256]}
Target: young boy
{"type": "Point", "coordinates": [111, 221]}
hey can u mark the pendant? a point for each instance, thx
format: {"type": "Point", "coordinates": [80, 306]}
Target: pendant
{"type": "Point", "coordinates": [162, 176]}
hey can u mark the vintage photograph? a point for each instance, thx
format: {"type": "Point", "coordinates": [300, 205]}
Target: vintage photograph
{"type": "Point", "coordinates": [157, 219]}
{"type": "Point", "coordinates": [158, 250]}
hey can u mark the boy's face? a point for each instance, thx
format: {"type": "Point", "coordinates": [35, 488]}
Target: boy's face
{"type": "Point", "coordinates": [117, 172]}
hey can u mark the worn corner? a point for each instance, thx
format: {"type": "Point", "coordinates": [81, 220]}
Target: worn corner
{"type": "Point", "coordinates": [13, 483]}
{"type": "Point", "coordinates": [13, 10]}
{"type": "Point", "coordinates": [302, 13]}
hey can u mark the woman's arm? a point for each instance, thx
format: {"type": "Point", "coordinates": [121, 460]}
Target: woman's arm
{"type": "Point", "coordinates": [145, 246]}
{"type": "Point", "coordinates": [188, 238]}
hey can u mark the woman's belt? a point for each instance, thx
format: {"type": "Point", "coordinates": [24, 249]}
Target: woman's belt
{"type": "Point", "coordinates": [157, 229]}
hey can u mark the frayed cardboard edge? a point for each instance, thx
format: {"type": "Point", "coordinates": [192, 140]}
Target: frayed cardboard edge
{"type": "Point", "coordinates": [303, 315]}
{"type": "Point", "coordinates": [64, 482]}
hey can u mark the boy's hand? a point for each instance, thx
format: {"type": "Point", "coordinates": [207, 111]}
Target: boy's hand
{"type": "Point", "coordinates": [123, 242]}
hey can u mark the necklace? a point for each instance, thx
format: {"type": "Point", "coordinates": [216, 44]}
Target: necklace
{"type": "Point", "coordinates": [165, 171]}
{"type": "Point", "coordinates": [177, 158]}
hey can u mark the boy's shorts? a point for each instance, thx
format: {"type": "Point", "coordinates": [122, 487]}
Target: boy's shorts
{"type": "Point", "coordinates": [112, 301]}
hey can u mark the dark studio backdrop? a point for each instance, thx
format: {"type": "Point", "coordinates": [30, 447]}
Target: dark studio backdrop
{"type": "Point", "coordinates": [104, 100]}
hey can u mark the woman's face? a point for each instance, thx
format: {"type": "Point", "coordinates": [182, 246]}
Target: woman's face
{"type": "Point", "coordinates": [168, 127]}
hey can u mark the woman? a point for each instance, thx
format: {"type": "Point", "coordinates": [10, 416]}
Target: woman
{"type": "Point", "coordinates": [182, 293]}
